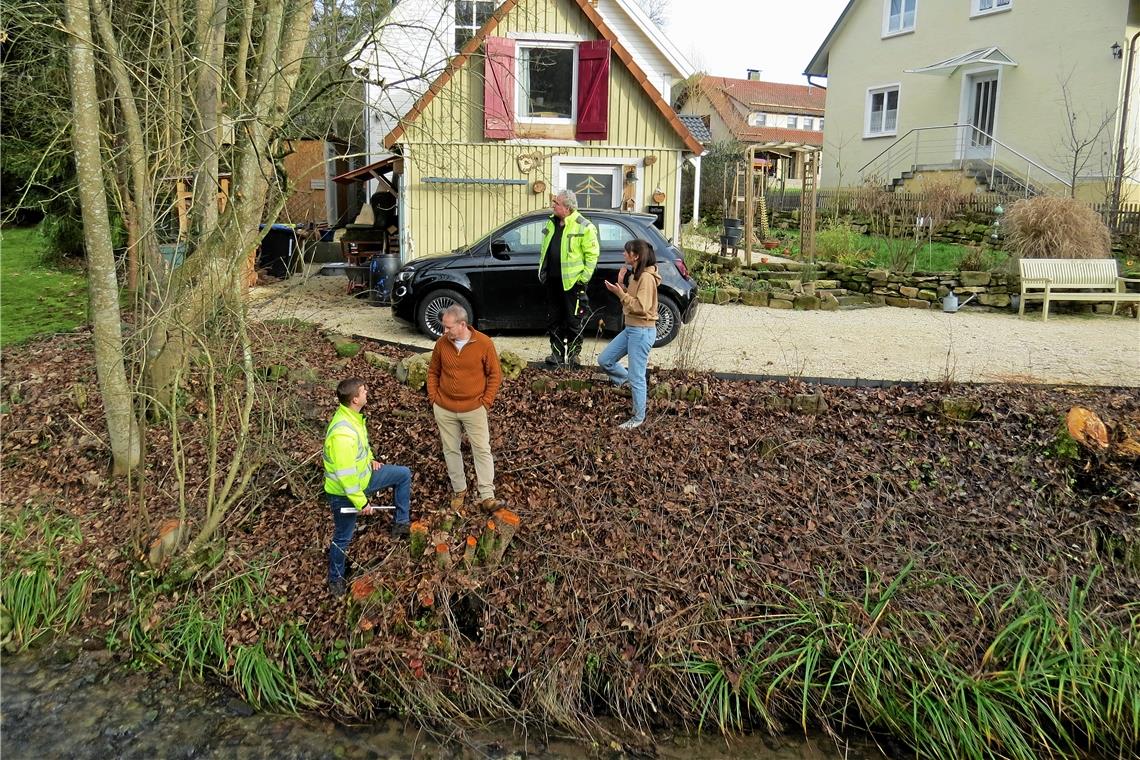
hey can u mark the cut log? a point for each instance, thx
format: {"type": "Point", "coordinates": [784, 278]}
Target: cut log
{"type": "Point", "coordinates": [487, 541]}
{"type": "Point", "coordinates": [507, 525]}
{"type": "Point", "coordinates": [443, 556]}
{"type": "Point", "coordinates": [1086, 428]}
{"type": "Point", "coordinates": [418, 537]}
{"type": "Point", "coordinates": [469, 551]}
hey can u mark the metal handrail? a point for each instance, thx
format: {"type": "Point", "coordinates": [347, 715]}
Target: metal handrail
{"type": "Point", "coordinates": [993, 141]}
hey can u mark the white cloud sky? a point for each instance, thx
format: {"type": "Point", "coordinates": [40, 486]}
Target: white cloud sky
{"type": "Point", "coordinates": [727, 37]}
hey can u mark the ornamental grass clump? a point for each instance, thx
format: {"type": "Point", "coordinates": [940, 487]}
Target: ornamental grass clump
{"type": "Point", "coordinates": [1048, 227]}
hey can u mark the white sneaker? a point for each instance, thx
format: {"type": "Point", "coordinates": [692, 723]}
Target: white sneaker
{"type": "Point", "coordinates": [631, 424]}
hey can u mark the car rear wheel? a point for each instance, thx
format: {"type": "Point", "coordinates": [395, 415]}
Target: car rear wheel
{"type": "Point", "coordinates": [668, 321]}
{"type": "Point", "coordinates": [431, 307]}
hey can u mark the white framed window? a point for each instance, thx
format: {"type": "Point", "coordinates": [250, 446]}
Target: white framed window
{"type": "Point", "coordinates": [898, 16]}
{"type": "Point", "coordinates": [758, 119]}
{"type": "Point", "coordinates": [809, 123]}
{"type": "Point", "coordinates": [985, 7]}
{"type": "Point", "coordinates": [792, 122]}
{"type": "Point", "coordinates": [819, 125]}
{"type": "Point", "coordinates": [882, 111]}
{"type": "Point", "coordinates": [469, 16]}
{"type": "Point", "coordinates": [595, 185]}
{"type": "Point", "coordinates": [547, 75]}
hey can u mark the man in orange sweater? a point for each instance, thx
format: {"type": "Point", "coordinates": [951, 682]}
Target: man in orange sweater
{"type": "Point", "coordinates": [462, 381]}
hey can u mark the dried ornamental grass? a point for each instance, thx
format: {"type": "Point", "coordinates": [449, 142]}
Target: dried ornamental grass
{"type": "Point", "coordinates": [1048, 227]}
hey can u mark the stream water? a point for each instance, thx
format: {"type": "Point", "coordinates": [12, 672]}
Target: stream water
{"type": "Point", "coordinates": [68, 702]}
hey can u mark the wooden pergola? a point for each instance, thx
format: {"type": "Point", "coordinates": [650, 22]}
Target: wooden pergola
{"type": "Point", "coordinates": [807, 197]}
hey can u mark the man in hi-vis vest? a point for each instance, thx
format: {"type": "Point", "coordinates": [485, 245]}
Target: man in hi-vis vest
{"type": "Point", "coordinates": [569, 254]}
{"type": "Point", "coordinates": [352, 475]}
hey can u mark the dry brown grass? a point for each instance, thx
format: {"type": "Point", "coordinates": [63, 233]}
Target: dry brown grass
{"type": "Point", "coordinates": [1048, 227]}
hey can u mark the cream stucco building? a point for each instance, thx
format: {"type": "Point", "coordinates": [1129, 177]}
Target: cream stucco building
{"type": "Point", "coordinates": [987, 88]}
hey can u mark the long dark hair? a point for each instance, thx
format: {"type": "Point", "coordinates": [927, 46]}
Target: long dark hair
{"type": "Point", "coordinates": [644, 253]}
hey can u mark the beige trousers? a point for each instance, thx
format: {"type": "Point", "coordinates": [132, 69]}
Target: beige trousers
{"type": "Point", "coordinates": [452, 426]}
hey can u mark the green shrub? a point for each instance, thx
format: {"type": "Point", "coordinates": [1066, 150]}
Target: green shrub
{"type": "Point", "coordinates": [837, 242]}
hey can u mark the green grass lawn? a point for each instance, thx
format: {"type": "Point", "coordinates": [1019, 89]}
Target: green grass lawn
{"type": "Point", "coordinates": [36, 298]}
{"type": "Point", "coordinates": [929, 257]}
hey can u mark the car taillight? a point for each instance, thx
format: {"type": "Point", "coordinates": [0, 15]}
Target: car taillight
{"type": "Point", "coordinates": [684, 270]}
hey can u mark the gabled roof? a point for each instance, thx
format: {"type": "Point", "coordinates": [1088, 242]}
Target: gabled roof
{"type": "Point", "coordinates": [733, 99]}
{"type": "Point", "coordinates": [757, 95]}
{"type": "Point", "coordinates": [818, 64]}
{"type": "Point", "coordinates": [457, 63]}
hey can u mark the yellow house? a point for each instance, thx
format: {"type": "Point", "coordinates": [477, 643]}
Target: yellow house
{"type": "Point", "coordinates": [543, 96]}
{"type": "Point", "coordinates": [1018, 96]}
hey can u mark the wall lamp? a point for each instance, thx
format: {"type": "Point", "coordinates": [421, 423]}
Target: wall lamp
{"type": "Point", "coordinates": [1117, 51]}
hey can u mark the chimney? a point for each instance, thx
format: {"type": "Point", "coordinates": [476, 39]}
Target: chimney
{"type": "Point", "coordinates": [754, 75]}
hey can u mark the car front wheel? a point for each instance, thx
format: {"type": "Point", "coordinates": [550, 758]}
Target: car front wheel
{"type": "Point", "coordinates": [431, 307]}
{"type": "Point", "coordinates": [668, 321]}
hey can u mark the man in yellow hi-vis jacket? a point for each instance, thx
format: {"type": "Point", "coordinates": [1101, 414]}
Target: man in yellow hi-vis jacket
{"type": "Point", "coordinates": [352, 475]}
{"type": "Point", "coordinates": [571, 240]}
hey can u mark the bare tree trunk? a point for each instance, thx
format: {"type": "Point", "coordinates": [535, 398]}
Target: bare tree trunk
{"type": "Point", "coordinates": [103, 286]}
{"type": "Point", "coordinates": [211, 33]}
{"type": "Point", "coordinates": [146, 249]}
{"type": "Point", "coordinates": [209, 279]}
{"type": "Point", "coordinates": [245, 40]}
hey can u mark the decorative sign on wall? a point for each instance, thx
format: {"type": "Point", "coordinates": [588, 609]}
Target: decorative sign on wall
{"type": "Point", "coordinates": [659, 213]}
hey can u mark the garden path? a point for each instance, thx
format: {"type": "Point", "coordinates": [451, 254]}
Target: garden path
{"type": "Point", "coordinates": [875, 343]}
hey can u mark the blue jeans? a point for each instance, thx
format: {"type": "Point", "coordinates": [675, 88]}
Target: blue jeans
{"type": "Point", "coordinates": [634, 342]}
{"type": "Point", "coordinates": [399, 479]}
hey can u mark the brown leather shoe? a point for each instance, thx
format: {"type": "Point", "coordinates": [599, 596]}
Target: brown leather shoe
{"type": "Point", "coordinates": [457, 499]}
{"type": "Point", "coordinates": [490, 505]}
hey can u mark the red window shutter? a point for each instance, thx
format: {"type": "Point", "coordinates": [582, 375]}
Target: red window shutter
{"type": "Point", "coordinates": [593, 90]}
{"type": "Point", "coordinates": [499, 88]}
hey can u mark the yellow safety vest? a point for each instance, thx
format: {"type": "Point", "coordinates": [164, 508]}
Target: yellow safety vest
{"type": "Point", "coordinates": [348, 459]}
{"type": "Point", "coordinates": [580, 249]}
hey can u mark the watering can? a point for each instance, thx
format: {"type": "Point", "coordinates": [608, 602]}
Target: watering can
{"type": "Point", "coordinates": [950, 303]}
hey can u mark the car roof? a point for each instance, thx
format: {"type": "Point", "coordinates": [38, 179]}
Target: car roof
{"type": "Point", "coordinates": [604, 212]}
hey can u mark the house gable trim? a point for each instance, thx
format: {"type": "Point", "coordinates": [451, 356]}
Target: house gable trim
{"type": "Point", "coordinates": [457, 63]}
{"type": "Point", "coordinates": [818, 64]}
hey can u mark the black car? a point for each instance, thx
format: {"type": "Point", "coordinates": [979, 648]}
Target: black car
{"type": "Point", "coordinates": [496, 279]}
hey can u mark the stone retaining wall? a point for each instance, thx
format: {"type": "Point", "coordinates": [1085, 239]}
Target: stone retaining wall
{"type": "Point", "coordinates": [792, 285]}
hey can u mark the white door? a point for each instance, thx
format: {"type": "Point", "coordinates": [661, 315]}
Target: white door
{"type": "Point", "coordinates": [982, 90]}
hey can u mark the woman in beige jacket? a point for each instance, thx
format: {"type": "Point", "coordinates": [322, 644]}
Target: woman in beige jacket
{"type": "Point", "coordinates": [639, 306]}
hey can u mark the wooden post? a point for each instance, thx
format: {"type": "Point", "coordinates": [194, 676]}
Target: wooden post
{"type": "Point", "coordinates": [749, 200]}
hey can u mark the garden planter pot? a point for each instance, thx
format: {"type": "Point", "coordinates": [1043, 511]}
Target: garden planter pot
{"type": "Point", "coordinates": [771, 245]}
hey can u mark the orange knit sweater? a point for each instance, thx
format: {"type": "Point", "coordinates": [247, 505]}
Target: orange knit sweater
{"type": "Point", "coordinates": [462, 381]}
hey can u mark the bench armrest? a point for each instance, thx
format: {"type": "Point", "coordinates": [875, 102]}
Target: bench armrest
{"type": "Point", "coordinates": [1128, 279]}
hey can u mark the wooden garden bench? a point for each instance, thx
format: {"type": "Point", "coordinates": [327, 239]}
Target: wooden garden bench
{"type": "Point", "coordinates": [1048, 280]}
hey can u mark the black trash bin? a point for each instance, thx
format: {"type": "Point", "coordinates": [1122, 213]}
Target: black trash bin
{"type": "Point", "coordinates": [278, 250]}
{"type": "Point", "coordinates": [382, 274]}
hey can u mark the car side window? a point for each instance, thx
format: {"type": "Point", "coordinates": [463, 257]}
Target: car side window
{"type": "Point", "coordinates": [611, 234]}
{"type": "Point", "coordinates": [526, 238]}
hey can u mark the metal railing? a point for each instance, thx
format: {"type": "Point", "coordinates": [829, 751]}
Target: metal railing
{"type": "Point", "coordinates": [963, 147]}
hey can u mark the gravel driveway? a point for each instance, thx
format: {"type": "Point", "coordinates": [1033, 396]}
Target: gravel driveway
{"type": "Point", "coordinates": [880, 344]}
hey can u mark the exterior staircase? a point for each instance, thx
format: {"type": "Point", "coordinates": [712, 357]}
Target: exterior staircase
{"type": "Point", "coordinates": [992, 178]}
{"type": "Point", "coordinates": [989, 162]}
